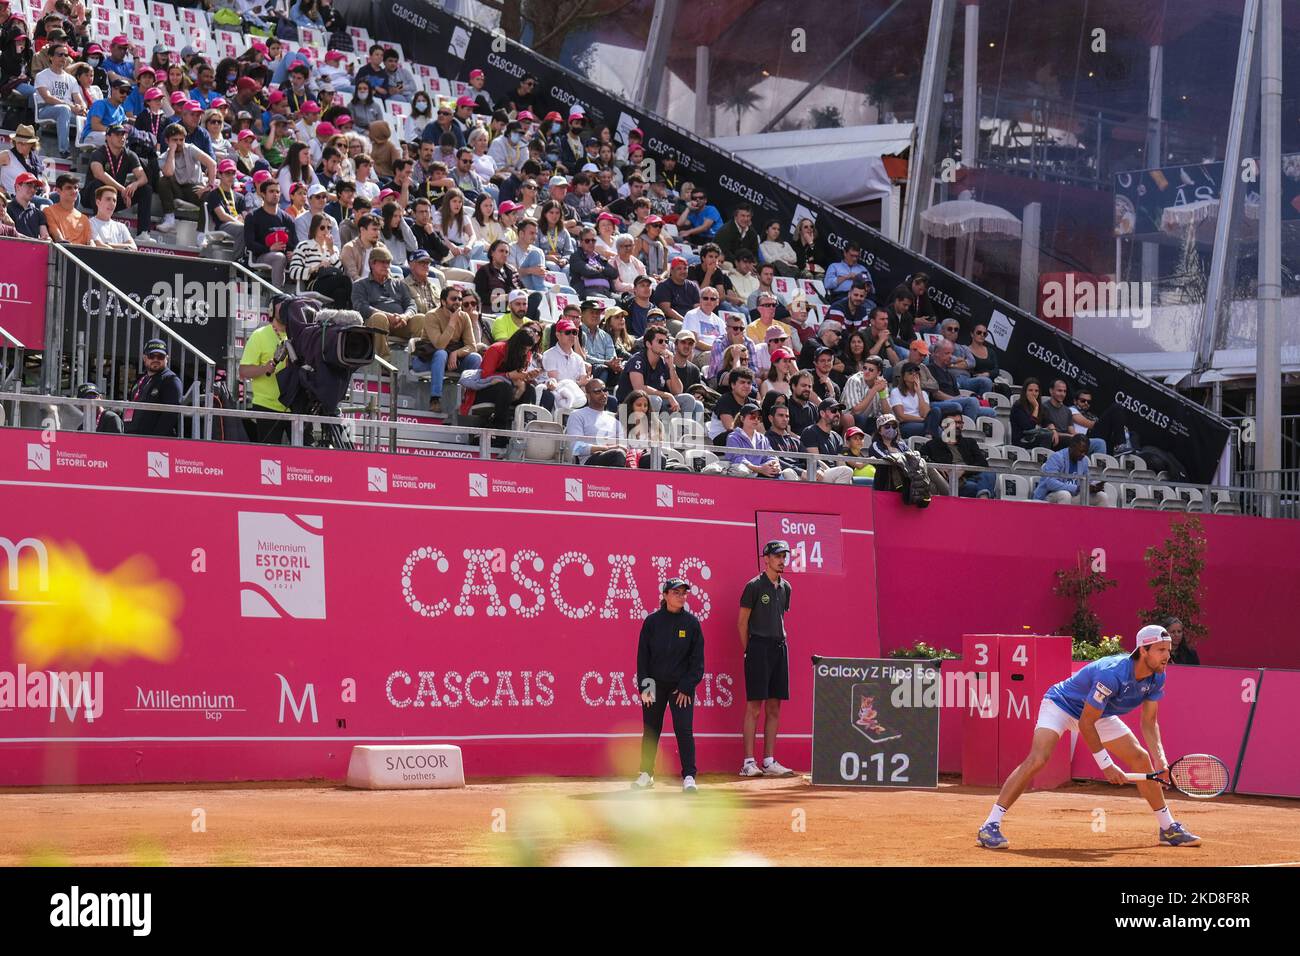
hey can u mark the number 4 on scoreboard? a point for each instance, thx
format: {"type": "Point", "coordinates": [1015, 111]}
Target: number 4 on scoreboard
{"type": "Point", "coordinates": [803, 557]}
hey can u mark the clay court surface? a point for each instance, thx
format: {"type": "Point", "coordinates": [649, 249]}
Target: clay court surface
{"type": "Point", "coordinates": [587, 821]}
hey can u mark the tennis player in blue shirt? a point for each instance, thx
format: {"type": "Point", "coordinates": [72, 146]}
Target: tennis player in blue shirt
{"type": "Point", "coordinates": [1090, 703]}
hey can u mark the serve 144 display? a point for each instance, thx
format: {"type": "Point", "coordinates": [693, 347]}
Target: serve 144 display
{"type": "Point", "coordinates": [869, 728]}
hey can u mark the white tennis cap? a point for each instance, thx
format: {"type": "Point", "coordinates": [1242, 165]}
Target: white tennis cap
{"type": "Point", "coordinates": [1151, 634]}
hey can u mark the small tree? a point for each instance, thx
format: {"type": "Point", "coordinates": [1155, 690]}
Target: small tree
{"type": "Point", "coordinates": [1078, 585]}
{"type": "Point", "coordinates": [1175, 580]}
{"type": "Point", "coordinates": [826, 117]}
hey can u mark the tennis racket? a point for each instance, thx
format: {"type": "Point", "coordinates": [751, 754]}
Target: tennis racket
{"type": "Point", "coordinates": [1197, 775]}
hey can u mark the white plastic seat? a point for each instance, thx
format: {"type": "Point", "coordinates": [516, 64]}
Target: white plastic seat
{"type": "Point", "coordinates": [526, 413]}
{"type": "Point", "coordinates": [1016, 487]}
{"type": "Point", "coordinates": [540, 446]}
{"type": "Point", "coordinates": [699, 458]}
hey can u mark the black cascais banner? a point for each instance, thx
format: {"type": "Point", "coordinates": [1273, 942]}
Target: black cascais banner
{"type": "Point", "coordinates": [195, 298]}
{"type": "Point", "coordinates": [453, 46]}
{"type": "Point", "coordinates": [875, 722]}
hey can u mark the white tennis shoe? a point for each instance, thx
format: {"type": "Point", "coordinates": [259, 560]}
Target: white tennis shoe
{"type": "Point", "coordinates": [643, 782]}
{"type": "Point", "coordinates": [774, 769]}
{"type": "Point", "coordinates": [688, 785]}
{"type": "Point", "coordinates": [750, 769]}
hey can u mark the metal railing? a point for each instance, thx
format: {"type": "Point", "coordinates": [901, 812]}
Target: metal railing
{"type": "Point", "coordinates": [1265, 495]}
{"type": "Point", "coordinates": [1076, 143]}
{"type": "Point", "coordinates": [96, 331]}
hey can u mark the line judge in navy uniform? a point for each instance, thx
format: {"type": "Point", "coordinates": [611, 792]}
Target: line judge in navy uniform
{"type": "Point", "coordinates": [669, 665]}
{"type": "Point", "coordinates": [159, 385]}
{"type": "Point", "coordinates": [763, 605]}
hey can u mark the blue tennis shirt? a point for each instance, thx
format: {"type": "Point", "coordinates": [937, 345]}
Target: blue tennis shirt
{"type": "Point", "coordinates": [1107, 684]}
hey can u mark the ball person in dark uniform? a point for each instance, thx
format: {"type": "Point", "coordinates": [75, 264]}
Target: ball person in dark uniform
{"type": "Point", "coordinates": [105, 420]}
{"type": "Point", "coordinates": [160, 386]}
{"type": "Point", "coordinates": [669, 663]}
{"type": "Point", "coordinates": [763, 604]}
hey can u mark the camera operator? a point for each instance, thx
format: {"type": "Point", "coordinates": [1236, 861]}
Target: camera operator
{"type": "Point", "coordinates": [263, 357]}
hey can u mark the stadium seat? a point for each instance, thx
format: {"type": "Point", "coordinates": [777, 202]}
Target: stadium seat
{"type": "Point", "coordinates": [539, 447]}
{"type": "Point", "coordinates": [1016, 487]}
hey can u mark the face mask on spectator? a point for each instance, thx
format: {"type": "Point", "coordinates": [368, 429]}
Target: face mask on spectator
{"type": "Point", "coordinates": [889, 431]}
{"type": "Point", "coordinates": [93, 60]}
{"type": "Point", "coordinates": [514, 139]}
{"type": "Point", "coordinates": [555, 128]}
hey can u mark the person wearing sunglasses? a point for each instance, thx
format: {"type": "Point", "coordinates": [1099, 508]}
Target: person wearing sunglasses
{"type": "Point", "coordinates": [963, 360]}
{"type": "Point", "coordinates": [985, 356]}
{"type": "Point", "coordinates": [449, 342]}
{"type": "Point", "coordinates": [59, 99]}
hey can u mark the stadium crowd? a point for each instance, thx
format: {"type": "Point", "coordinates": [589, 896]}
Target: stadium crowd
{"type": "Point", "coordinates": [446, 224]}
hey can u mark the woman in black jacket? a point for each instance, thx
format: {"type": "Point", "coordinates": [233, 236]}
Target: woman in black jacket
{"type": "Point", "coordinates": [1183, 652]}
{"type": "Point", "coordinates": [1026, 417]}
{"type": "Point", "coordinates": [669, 665]}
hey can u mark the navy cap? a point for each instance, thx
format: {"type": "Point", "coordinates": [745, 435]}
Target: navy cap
{"type": "Point", "coordinates": [592, 305]}
{"type": "Point", "coordinates": [155, 347]}
{"type": "Point", "coordinates": [419, 255]}
{"type": "Point", "coordinates": [672, 584]}
{"type": "Point", "coordinates": [776, 546]}
{"type": "Point", "coordinates": [829, 405]}
{"type": "Point", "coordinates": [749, 408]}
{"type": "Point", "coordinates": [87, 390]}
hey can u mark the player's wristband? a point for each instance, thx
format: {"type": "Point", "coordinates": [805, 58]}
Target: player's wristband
{"type": "Point", "coordinates": [1103, 759]}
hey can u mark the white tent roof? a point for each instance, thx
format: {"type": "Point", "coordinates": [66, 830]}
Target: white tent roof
{"type": "Point", "coordinates": [839, 166]}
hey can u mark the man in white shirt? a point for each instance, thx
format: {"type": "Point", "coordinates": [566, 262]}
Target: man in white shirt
{"type": "Point", "coordinates": [705, 321]}
{"type": "Point", "coordinates": [566, 370]}
{"type": "Point", "coordinates": [58, 98]}
{"type": "Point", "coordinates": [316, 198]}
{"type": "Point", "coordinates": [603, 429]}
{"type": "Point", "coordinates": [105, 231]}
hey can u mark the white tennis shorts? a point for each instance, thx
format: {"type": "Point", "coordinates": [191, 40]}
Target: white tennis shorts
{"type": "Point", "coordinates": [1054, 718]}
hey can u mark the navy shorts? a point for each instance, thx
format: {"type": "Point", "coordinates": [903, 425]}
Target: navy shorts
{"type": "Point", "coordinates": [767, 670]}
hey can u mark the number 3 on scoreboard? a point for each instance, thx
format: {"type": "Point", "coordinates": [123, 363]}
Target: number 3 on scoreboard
{"type": "Point", "coordinates": [852, 769]}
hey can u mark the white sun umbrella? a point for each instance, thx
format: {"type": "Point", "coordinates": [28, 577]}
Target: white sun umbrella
{"type": "Point", "coordinates": [968, 220]}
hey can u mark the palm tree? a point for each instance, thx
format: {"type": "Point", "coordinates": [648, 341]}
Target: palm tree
{"type": "Point", "coordinates": [736, 94]}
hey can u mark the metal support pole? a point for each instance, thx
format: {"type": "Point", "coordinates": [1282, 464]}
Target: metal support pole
{"type": "Point", "coordinates": [815, 84]}
{"type": "Point", "coordinates": [1031, 227]}
{"type": "Point", "coordinates": [1155, 146]}
{"type": "Point", "coordinates": [651, 74]}
{"type": "Point", "coordinates": [1215, 306]}
{"type": "Point", "coordinates": [702, 113]}
{"type": "Point", "coordinates": [970, 107]}
{"type": "Point", "coordinates": [1268, 337]}
{"type": "Point", "coordinates": [929, 114]}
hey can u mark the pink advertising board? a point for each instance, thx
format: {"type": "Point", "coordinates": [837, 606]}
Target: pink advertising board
{"type": "Point", "coordinates": [968, 566]}
{"type": "Point", "coordinates": [23, 281]}
{"type": "Point", "coordinates": [333, 598]}
{"type": "Point", "coordinates": [1269, 765]}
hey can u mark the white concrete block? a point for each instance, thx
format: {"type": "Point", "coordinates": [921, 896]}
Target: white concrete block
{"type": "Point", "coordinates": [406, 767]}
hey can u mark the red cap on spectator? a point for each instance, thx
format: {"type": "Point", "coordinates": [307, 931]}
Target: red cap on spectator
{"type": "Point", "coordinates": [780, 354]}
{"type": "Point", "coordinates": [297, 188]}
{"type": "Point", "coordinates": [676, 261]}
{"type": "Point", "coordinates": [385, 194]}
{"type": "Point", "coordinates": [25, 178]}
{"type": "Point", "coordinates": [654, 220]}
{"type": "Point", "coordinates": [94, 48]}
{"type": "Point", "coordinates": [342, 120]}
{"type": "Point", "coordinates": [261, 176]}
{"type": "Point", "coordinates": [326, 129]}
{"type": "Point", "coordinates": [333, 56]}
{"type": "Point", "coordinates": [920, 345]}
{"type": "Point", "coordinates": [308, 52]}
{"type": "Point", "coordinates": [178, 97]}
{"type": "Point", "coordinates": [553, 115]}
{"type": "Point", "coordinates": [311, 106]}
{"type": "Point", "coordinates": [509, 206]}
{"type": "Point", "coordinates": [145, 68]}
{"type": "Point", "coordinates": [526, 116]}
{"type": "Point", "coordinates": [475, 74]}
{"type": "Point", "coordinates": [277, 96]}
{"type": "Point", "coordinates": [191, 106]}
{"type": "Point", "coordinates": [119, 40]}
{"type": "Point", "coordinates": [246, 134]}
{"type": "Point", "coordinates": [219, 103]}
{"type": "Point", "coordinates": [636, 131]}
{"type": "Point", "coordinates": [855, 430]}
{"type": "Point", "coordinates": [155, 94]}
{"type": "Point", "coordinates": [566, 325]}
{"type": "Point", "coordinates": [465, 101]}
{"type": "Point", "coordinates": [608, 217]}
{"type": "Point", "coordinates": [260, 47]}
{"type": "Point", "coordinates": [246, 84]}
{"type": "Point", "coordinates": [226, 166]}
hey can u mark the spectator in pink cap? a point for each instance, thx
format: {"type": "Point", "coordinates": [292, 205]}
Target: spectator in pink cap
{"type": "Point", "coordinates": [247, 161]}
{"type": "Point", "coordinates": [482, 99]}
{"type": "Point", "coordinates": [118, 62]}
{"type": "Point", "coordinates": [191, 115]}
{"type": "Point", "coordinates": [634, 138]}
{"type": "Point", "coordinates": [144, 82]}
{"type": "Point", "coordinates": [224, 212]}
{"type": "Point", "coordinates": [150, 122]}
